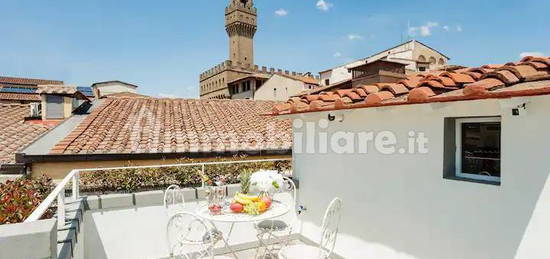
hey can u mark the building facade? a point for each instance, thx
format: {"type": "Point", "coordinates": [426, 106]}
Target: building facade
{"type": "Point", "coordinates": [103, 89]}
{"type": "Point", "coordinates": [281, 87]}
{"type": "Point", "coordinates": [478, 188]}
{"type": "Point", "coordinates": [238, 77]}
{"type": "Point", "coordinates": [417, 56]}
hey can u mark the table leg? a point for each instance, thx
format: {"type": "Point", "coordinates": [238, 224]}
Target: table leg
{"type": "Point", "coordinates": [226, 240]}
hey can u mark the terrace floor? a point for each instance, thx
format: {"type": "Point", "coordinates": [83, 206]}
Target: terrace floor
{"type": "Point", "coordinates": [140, 232]}
{"type": "Point", "coordinates": [251, 253]}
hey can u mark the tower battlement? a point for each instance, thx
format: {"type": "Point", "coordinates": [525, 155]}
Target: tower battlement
{"type": "Point", "coordinates": [228, 65]}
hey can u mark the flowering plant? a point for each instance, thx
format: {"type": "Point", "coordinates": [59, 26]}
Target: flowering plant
{"type": "Point", "coordinates": [265, 181]}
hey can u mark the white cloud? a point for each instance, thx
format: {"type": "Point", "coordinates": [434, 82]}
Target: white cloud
{"type": "Point", "coordinates": [424, 30]}
{"type": "Point", "coordinates": [281, 12]}
{"type": "Point", "coordinates": [446, 27]}
{"type": "Point", "coordinates": [324, 5]}
{"type": "Point", "coordinates": [169, 96]}
{"type": "Point", "coordinates": [354, 37]}
{"type": "Point", "coordinates": [337, 54]}
{"type": "Point", "coordinates": [459, 28]}
{"type": "Point", "coordinates": [531, 53]}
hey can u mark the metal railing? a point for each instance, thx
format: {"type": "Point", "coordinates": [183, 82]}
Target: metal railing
{"type": "Point", "coordinates": [58, 194]}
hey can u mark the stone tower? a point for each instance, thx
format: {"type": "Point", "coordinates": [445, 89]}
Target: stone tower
{"type": "Point", "coordinates": [240, 24]}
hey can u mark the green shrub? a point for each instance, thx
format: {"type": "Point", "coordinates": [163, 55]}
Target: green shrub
{"type": "Point", "coordinates": [143, 179]}
{"type": "Point", "coordinates": [19, 198]}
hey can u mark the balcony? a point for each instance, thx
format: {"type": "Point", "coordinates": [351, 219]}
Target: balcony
{"type": "Point", "coordinates": [134, 225]}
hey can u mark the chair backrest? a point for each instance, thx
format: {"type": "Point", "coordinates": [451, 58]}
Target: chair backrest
{"type": "Point", "coordinates": [173, 195]}
{"type": "Point", "coordinates": [187, 236]}
{"type": "Point", "coordinates": [290, 187]}
{"type": "Point", "coordinates": [331, 221]}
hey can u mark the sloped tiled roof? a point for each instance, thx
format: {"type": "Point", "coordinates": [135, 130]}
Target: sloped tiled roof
{"type": "Point", "coordinates": [151, 125]}
{"type": "Point", "coordinates": [61, 90]}
{"type": "Point", "coordinates": [303, 79]}
{"type": "Point", "coordinates": [530, 76]}
{"type": "Point", "coordinates": [125, 95]}
{"type": "Point", "coordinates": [28, 81]}
{"type": "Point", "coordinates": [20, 97]}
{"type": "Point", "coordinates": [15, 133]}
{"type": "Point", "coordinates": [56, 89]}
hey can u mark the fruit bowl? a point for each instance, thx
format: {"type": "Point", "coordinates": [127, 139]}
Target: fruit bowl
{"type": "Point", "coordinates": [250, 204]}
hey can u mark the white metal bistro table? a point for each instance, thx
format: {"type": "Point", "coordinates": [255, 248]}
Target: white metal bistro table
{"type": "Point", "coordinates": [276, 210]}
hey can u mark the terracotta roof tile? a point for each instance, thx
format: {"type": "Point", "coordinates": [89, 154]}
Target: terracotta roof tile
{"type": "Point", "coordinates": [370, 89]}
{"type": "Point", "coordinates": [503, 75]}
{"type": "Point", "coordinates": [420, 94]}
{"type": "Point", "coordinates": [15, 133]}
{"type": "Point", "coordinates": [311, 98]}
{"type": "Point", "coordinates": [56, 89]}
{"type": "Point", "coordinates": [350, 93]}
{"type": "Point", "coordinates": [376, 98]}
{"type": "Point", "coordinates": [480, 70]}
{"type": "Point", "coordinates": [536, 65]}
{"type": "Point", "coordinates": [361, 92]}
{"type": "Point", "coordinates": [431, 83]}
{"type": "Point", "coordinates": [151, 125]}
{"type": "Point", "coordinates": [489, 81]}
{"type": "Point", "coordinates": [19, 97]}
{"type": "Point", "coordinates": [328, 97]}
{"type": "Point", "coordinates": [28, 81]}
{"type": "Point", "coordinates": [492, 66]}
{"type": "Point", "coordinates": [396, 89]}
{"type": "Point", "coordinates": [459, 78]}
{"type": "Point", "coordinates": [524, 71]}
{"type": "Point", "coordinates": [474, 75]}
{"type": "Point", "coordinates": [411, 82]}
{"type": "Point", "coordinates": [446, 81]}
{"type": "Point", "coordinates": [545, 60]}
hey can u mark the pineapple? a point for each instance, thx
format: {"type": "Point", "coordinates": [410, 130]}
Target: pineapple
{"type": "Point", "coordinates": [244, 177]}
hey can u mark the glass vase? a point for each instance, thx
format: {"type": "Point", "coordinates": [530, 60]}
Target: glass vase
{"type": "Point", "coordinates": [215, 196]}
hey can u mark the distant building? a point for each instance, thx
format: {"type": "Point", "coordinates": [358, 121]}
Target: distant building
{"type": "Point", "coordinates": [103, 89]}
{"type": "Point", "coordinates": [417, 56]}
{"type": "Point", "coordinates": [238, 77]}
{"type": "Point", "coordinates": [281, 87]}
{"type": "Point", "coordinates": [16, 90]}
{"type": "Point", "coordinates": [45, 107]}
{"type": "Point", "coordinates": [59, 102]}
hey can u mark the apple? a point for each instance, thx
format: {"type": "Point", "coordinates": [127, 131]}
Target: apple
{"type": "Point", "coordinates": [267, 201]}
{"type": "Point", "coordinates": [236, 207]}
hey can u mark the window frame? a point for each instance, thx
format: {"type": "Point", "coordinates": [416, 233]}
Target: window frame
{"type": "Point", "coordinates": [458, 152]}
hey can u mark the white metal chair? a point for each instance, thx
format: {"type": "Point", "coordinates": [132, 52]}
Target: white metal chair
{"type": "Point", "coordinates": [173, 201]}
{"type": "Point", "coordinates": [278, 231]}
{"type": "Point", "coordinates": [173, 196]}
{"type": "Point", "coordinates": [330, 225]}
{"type": "Point", "coordinates": [189, 237]}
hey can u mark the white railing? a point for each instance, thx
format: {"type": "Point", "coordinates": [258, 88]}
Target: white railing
{"type": "Point", "coordinates": [58, 194]}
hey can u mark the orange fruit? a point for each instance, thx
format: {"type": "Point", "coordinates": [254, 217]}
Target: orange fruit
{"type": "Point", "coordinates": [262, 207]}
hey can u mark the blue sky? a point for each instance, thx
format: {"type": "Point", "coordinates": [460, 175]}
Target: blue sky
{"type": "Point", "coordinates": [163, 46]}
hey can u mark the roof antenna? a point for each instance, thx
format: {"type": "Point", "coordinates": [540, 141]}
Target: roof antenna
{"type": "Point", "coordinates": [408, 30]}
{"type": "Point", "coordinates": [401, 34]}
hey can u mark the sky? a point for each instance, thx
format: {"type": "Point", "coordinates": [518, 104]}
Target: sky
{"type": "Point", "coordinates": [163, 46]}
